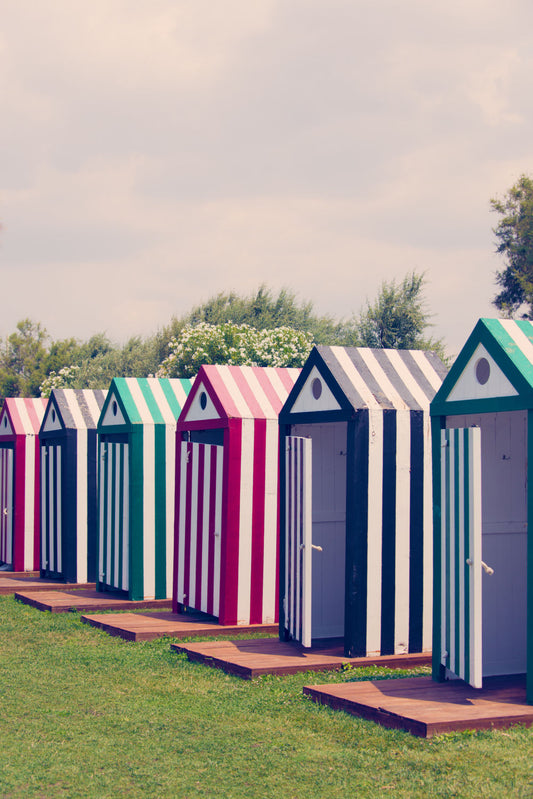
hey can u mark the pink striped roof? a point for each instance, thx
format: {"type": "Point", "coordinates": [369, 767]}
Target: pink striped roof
{"type": "Point", "coordinates": [24, 414]}
{"type": "Point", "coordinates": [246, 392]}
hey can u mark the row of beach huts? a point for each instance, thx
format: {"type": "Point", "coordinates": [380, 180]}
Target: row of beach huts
{"type": "Point", "coordinates": [370, 496]}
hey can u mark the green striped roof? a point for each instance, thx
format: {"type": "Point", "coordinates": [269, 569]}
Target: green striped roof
{"type": "Point", "coordinates": [143, 400]}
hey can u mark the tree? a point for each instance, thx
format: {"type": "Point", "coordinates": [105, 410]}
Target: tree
{"type": "Point", "coordinates": [398, 318]}
{"type": "Point", "coordinates": [514, 234]}
{"type": "Point", "coordinates": [230, 343]}
{"type": "Point", "coordinates": [23, 360]}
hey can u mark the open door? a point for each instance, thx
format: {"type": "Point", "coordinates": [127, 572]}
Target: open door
{"type": "Point", "coordinates": [6, 505]}
{"type": "Point", "coordinates": [298, 545]}
{"type": "Point", "coordinates": [51, 522]}
{"type": "Point", "coordinates": [460, 556]}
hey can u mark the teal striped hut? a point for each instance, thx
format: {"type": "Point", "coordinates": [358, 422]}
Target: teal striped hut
{"type": "Point", "coordinates": [136, 454]}
{"type": "Point", "coordinates": [482, 428]}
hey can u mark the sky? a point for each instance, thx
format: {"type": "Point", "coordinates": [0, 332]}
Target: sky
{"type": "Point", "coordinates": [156, 152]}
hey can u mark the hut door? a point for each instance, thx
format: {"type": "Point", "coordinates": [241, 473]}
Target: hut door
{"type": "Point", "coordinates": [113, 515]}
{"type": "Point", "coordinates": [199, 525]}
{"type": "Point", "coordinates": [51, 524]}
{"type": "Point", "coordinates": [460, 556]}
{"type": "Point", "coordinates": [6, 505]}
{"type": "Point", "coordinates": [298, 544]}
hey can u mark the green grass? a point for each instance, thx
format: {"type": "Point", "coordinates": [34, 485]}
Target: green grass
{"type": "Point", "coordinates": [86, 715]}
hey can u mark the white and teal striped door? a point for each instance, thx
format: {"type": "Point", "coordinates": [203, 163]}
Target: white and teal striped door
{"type": "Point", "coordinates": [6, 505]}
{"type": "Point", "coordinates": [113, 510]}
{"type": "Point", "coordinates": [298, 539]}
{"type": "Point", "coordinates": [51, 522]}
{"type": "Point", "coordinates": [460, 554]}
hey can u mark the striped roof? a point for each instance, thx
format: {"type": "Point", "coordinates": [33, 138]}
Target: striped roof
{"type": "Point", "coordinates": [506, 345]}
{"type": "Point", "coordinates": [382, 378]}
{"type": "Point", "coordinates": [145, 400]}
{"type": "Point", "coordinates": [243, 392]}
{"type": "Point", "coordinates": [22, 416]}
{"type": "Point", "coordinates": [78, 409]}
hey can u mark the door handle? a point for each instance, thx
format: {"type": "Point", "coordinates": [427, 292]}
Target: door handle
{"type": "Point", "coordinates": [313, 546]}
{"type": "Point", "coordinates": [486, 569]}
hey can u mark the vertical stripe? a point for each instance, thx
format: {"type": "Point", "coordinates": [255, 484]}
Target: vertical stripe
{"type": "Point", "coordinates": [245, 520]}
{"type": "Point", "coordinates": [101, 512]}
{"type": "Point", "coordinates": [427, 566]}
{"type": "Point", "coordinates": [199, 493]}
{"type": "Point", "coordinates": [181, 521]}
{"type": "Point", "coordinates": [402, 524]}
{"type": "Point", "coordinates": [271, 524]}
{"type": "Point", "coordinates": [375, 516]}
{"type": "Point", "coordinates": [170, 471]}
{"type": "Point", "coordinates": [82, 499]}
{"type": "Point", "coordinates": [30, 508]}
{"type": "Point", "coordinates": [206, 514]}
{"type": "Point", "coordinates": [218, 529]}
{"type": "Point", "coordinates": [125, 528]}
{"type": "Point", "coordinates": [388, 567]}
{"type": "Point", "coordinates": [258, 522]}
{"type": "Point", "coordinates": [151, 473]}
{"type": "Point", "coordinates": [417, 498]}
{"type": "Point", "coordinates": [187, 593]}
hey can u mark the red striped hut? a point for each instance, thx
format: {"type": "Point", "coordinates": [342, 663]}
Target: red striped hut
{"type": "Point", "coordinates": [20, 421]}
{"type": "Point", "coordinates": [227, 493]}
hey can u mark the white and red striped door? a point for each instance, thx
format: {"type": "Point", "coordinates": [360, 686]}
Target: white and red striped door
{"type": "Point", "coordinates": [51, 522]}
{"type": "Point", "coordinates": [460, 555]}
{"type": "Point", "coordinates": [199, 510]}
{"type": "Point", "coordinates": [298, 540]}
{"type": "Point", "coordinates": [6, 505]}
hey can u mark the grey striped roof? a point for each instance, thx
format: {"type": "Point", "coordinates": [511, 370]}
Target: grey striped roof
{"type": "Point", "coordinates": [79, 408]}
{"type": "Point", "coordinates": [387, 379]}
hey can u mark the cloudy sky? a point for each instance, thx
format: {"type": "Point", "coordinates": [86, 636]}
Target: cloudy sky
{"type": "Point", "coordinates": [155, 152]}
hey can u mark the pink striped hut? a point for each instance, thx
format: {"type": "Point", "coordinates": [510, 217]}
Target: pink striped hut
{"type": "Point", "coordinates": [227, 494]}
{"type": "Point", "coordinates": [20, 421]}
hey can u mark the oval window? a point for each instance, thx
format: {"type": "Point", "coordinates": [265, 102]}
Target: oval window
{"type": "Point", "coordinates": [115, 407]}
{"type": "Point", "coordinates": [53, 415]}
{"type": "Point", "coordinates": [482, 371]}
{"type": "Point", "coordinates": [203, 400]}
{"type": "Point", "coordinates": [316, 388]}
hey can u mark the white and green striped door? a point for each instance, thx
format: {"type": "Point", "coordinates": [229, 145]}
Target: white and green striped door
{"type": "Point", "coordinates": [113, 501]}
{"type": "Point", "coordinates": [460, 554]}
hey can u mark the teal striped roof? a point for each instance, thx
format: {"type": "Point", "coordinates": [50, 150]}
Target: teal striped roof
{"type": "Point", "coordinates": [144, 400]}
{"type": "Point", "coordinates": [508, 343]}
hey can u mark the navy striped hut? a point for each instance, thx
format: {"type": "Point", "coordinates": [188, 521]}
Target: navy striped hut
{"type": "Point", "coordinates": [356, 500]}
{"type": "Point", "coordinates": [69, 484]}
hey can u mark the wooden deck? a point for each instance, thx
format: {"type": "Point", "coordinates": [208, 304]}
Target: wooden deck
{"type": "Point", "coordinates": [64, 601]}
{"type": "Point", "coordinates": [426, 708]}
{"type": "Point", "coordinates": [11, 582]}
{"type": "Point", "coordinates": [147, 626]}
{"type": "Point", "coordinates": [249, 659]}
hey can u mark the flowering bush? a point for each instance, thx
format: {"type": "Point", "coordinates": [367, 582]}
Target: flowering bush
{"type": "Point", "coordinates": [65, 378]}
{"type": "Point", "coordinates": [233, 344]}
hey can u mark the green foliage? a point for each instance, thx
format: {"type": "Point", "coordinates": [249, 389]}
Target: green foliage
{"type": "Point", "coordinates": [229, 343]}
{"type": "Point", "coordinates": [514, 234]}
{"type": "Point", "coordinates": [398, 318]}
{"type": "Point", "coordinates": [23, 360]}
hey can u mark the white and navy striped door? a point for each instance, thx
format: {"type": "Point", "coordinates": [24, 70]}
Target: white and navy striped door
{"type": "Point", "coordinates": [6, 505]}
{"type": "Point", "coordinates": [460, 554]}
{"type": "Point", "coordinates": [298, 542]}
{"type": "Point", "coordinates": [113, 515]}
{"type": "Point", "coordinates": [199, 515]}
{"type": "Point", "coordinates": [51, 522]}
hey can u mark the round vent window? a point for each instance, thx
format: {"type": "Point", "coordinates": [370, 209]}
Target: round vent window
{"type": "Point", "coordinates": [316, 388]}
{"type": "Point", "coordinates": [482, 371]}
{"type": "Point", "coordinates": [203, 400]}
{"type": "Point", "coordinates": [115, 407]}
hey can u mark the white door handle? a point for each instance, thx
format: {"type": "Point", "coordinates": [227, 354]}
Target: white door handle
{"type": "Point", "coordinates": [486, 569]}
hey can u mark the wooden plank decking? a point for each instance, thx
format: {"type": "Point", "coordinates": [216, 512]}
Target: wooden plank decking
{"type": "Point", "coordinates": [249, 659]}
{"type": "Point", "coordinates": [147, 626]}
{"type": "Point", "coordinates": [426, 708]}
{"type": "Point", "coordinates": [64, 601]}
{"type": "Point", "coordinates": [11, 582]}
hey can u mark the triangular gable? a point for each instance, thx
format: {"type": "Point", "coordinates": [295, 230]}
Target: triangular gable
{"type": "Point", "coordinates": [315, 395]}
{"type": "Point", "coordinates": [202, 403]}
{"type": "Point", "coordinates": [6, 428]}
{"type": "Point", "coordinates": [493, 372]}
{"type": "Point", "coordinates": [315, 392]}
{"type": "Point", "coordinates": [25, 415]}
{"type": "Point", "coordinates": [52, 418]}
{"type": "Point", "coordinates": [113, 413]}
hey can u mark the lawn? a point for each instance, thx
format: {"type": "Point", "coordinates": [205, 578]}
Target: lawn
{"type": "Point", "coordinates": [87, 715]}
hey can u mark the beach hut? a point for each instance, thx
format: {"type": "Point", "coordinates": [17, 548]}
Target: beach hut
{"type": "Point", "coordinates": [136, 453]}
{"type": "Point", "coordinates": [68, 484]}
{"type": "Point", "coordinates": [19, 482]}
{"type": "Point", "coordinates": [482, 419]}
{"type": "Point", "coordinates": [227, 530]}
{"type": "Point", "coordinates": [356, 537]}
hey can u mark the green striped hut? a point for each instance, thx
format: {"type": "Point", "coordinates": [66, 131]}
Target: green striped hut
{"type": "Point", "coordinates": [136, 454]}
{"type": "Point", "coordinates": [482, 428]}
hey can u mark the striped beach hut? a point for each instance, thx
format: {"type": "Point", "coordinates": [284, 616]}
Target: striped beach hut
{"type": "Point", "coordinates": [356, 518]}
{"type": "Point", "coordinates": [482, 419]}
{"type": "Point", "coordinates": [68, 484]}
{"type": "Point", "coordinates": [19, 482]}
{"type": "Point", "coordinates": [227, 529]}
{"type": "Point", "coordinates": [136, 453]}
